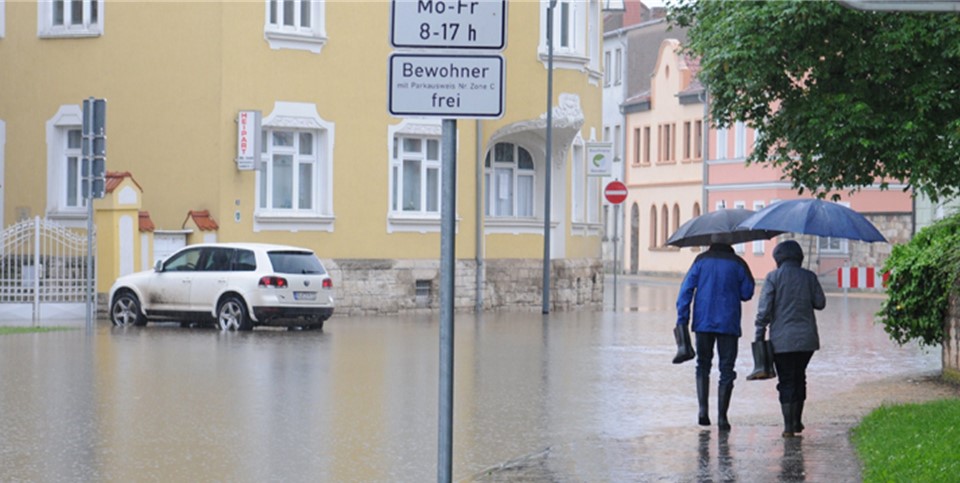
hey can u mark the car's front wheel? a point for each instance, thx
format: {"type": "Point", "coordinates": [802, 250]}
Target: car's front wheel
{"type": "Point", "coordinates": [232, 315]}
{"type": "Point", "coordinates": [125, 310]}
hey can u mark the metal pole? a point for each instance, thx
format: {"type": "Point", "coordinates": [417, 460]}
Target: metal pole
{"type": "Point", "coordinates": [478, 211]}
{"type": "Point", "coordinates": [88, 197]}
{"type": "Point", "coordinates": [616, 267]}
{"type": "Point", "coordinates": [549, 164]}
{"type": "Point", "coordinates": [448, 172]}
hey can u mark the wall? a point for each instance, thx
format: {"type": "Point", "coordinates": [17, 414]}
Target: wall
{"type": "Point", "coordinates": [385, 287]}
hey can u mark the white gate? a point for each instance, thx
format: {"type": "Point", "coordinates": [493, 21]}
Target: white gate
{"type": "Point", "coordinates": [43, 272]}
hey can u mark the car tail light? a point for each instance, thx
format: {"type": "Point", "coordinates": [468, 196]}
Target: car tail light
{"type": "Point", "coordinates": [273, 282]}
{"type": "Point", "coordinates": [327, 283]}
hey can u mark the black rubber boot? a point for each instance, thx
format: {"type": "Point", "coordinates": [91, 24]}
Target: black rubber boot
{"type": "Point", "coordinates": [798, 418]}
{"type": "Point", "coordinates": [703, 397]}
{"type": "Point", "coordinates": [723, 400]}
{"type": "Point", "coordinates": [789, 411]}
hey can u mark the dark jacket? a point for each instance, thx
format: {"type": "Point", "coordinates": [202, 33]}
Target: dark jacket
{"type": "Point", "coordinates": [717, 282]}
{"type": "Point", "coordinates": [789, 296]}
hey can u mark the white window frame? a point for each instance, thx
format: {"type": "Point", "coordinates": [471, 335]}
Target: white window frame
{"type": "Point", "coordinates": [618, 66]}
{"type": "Point", "coordinates": [758, 245]}
{"type": "Point", "coordinates": [87, 27]}
{"type": "Point", "coordinates": [739, 140]}
{"type": "Point", "coordinates": [3, 9]}
{"type": "Point", "coordinates": [578, 31]}
{"type": "Point", "coordinates": [298, 117]}
{"type": "Point", "coordinates": [842, 244]}
{"type": "Point", "coordinates": [607, 68]}
{"type": "Point", "coordinates": [67, 118]}
{"type": "Point", "coordinates": [422, 221]}
{"type": "Point", "coordinates": [722, 143]}
{"type": "Point", "coordinates": [516, 174]}
{"type": "Point", "coordinates": [311, 38]}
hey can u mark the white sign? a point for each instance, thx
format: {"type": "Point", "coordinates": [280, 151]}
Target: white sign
{"type": "Point", "coordinates": [248, 140]}
{"type": "Point", "coordinates": [449, 86]}
{"type": "Point", "coordinates": [599, 159]}
{"type": "Point", "coordinates": [451, 24]}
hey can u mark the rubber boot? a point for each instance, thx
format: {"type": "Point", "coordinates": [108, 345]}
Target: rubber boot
{"type": "Point", "coordinates": [798, 418]}
{"type": "Point", "coordinates": [703, 397]}
{"type": "Point", "coordinates": [723, 401]}
{"type": "Point", "coordinates": [789, 411]}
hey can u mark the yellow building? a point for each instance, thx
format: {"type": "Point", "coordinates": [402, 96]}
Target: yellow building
{"type": "Point", "coordinates": [336, 172]}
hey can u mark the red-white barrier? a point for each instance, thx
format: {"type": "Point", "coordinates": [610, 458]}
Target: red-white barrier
{"type": "Point", "coordinates": [861, 277]}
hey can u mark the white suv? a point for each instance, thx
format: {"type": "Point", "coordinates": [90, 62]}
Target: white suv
{"type": "Point", "coordinates": [232, 285]}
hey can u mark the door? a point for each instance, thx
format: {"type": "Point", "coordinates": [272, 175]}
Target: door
{"type": "Point", "coordinates": [210, 278]}
{"type": "Point", "coordinates": [171, 290]}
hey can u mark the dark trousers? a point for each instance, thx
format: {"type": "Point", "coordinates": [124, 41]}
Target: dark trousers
{"type": "Point", "coordinates": [792, 376]}
{"type": "Point", "coordinates": [726, 350]}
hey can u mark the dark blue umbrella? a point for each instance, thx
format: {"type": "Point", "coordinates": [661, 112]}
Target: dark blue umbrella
{"type": "Point", "coordinates": [813, 216]}
{"type": "Point", "coordinates": [718, 226]}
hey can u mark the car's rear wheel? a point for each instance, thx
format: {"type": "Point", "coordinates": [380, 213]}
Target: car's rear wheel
{"type": "Point", "coordinates": [125, 310]}
{"type": "Point", "coordinates": [232, 315]}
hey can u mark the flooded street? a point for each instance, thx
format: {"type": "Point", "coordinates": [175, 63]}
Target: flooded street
{"type": "Point", "coordinates": [358, 401]}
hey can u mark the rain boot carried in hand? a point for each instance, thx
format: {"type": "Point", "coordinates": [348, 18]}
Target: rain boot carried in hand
{"type": "Point", "coordinates": [684, 346]}
{"type": "Point", "coordinates": [763, 366]}
{"type": "Point", "coordinates": [703, 398]}
{"type": "Point", "coordinates": [724, 393]}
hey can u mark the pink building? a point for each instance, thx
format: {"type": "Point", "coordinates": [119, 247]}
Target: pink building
{"type": "Point", "coordinates": [669, 183]}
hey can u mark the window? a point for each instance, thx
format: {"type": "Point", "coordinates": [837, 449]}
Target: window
{"type": "Point", "coordinates": [295, 24]}
{"type": "Point", "coordinates": [636, 146]}
{"type": "Point", "coordinates": [687, 138]}
{"type": "Point", "coordinates": [653, 226]}
{"type": "Point", "coordinates": [664, 226]}
{"type": "Point", "coordinates": [3, 8]}
{"type": "Point", "coordinates": [586, 189]}
{"type": "Point", "coordinates": [616, 143]}
{"type": "Point", "coordinates": [646, 145]}
{"type": "Point", "coordinates": [576, 34]}
{"type": "Point", "coordinates": [69, 18]}
{"type": "Point", "coordinates": [833, 246]}
{"type": "Point", "coordinates": [618, 66]}
{"type": "Point", "coordinates": [758, 244]}
{"type": "Point", "coordinates": [739, 140]}
{"type": "Point", "coordinates": [65, 202]}
{"type": "Point", "coordinates": [294, 187]}
{"type": "Point", "coordinates": [415, 175]}
{"type": "Point", "coordinates": [676, 217]}
{"type": "Point", "coordinates": [698, 140]}
{"type": "Point", "coordinates": [667, 143]}
{"type": "Point", "coordinates": [722, 143]}
{"type": "Point", "coordinates": [509, 181]}
{"type": "Point", "coordinates": [607, 69]}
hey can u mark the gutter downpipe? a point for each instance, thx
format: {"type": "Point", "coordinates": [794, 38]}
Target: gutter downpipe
{"type": "Point", "coordinates": [705, 98]}
{"type": "Point", "coordinates": [478, 241]}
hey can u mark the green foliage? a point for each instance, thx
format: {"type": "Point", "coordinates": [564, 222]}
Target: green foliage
{"type": "Point", "coordinates": [913, 442]}
{"type": "Point", "coordinates": [922, 277]}
{"type": "Point", "coordinates": [31, 330]}
{"type": "Point", "coordinates": [840, 97]}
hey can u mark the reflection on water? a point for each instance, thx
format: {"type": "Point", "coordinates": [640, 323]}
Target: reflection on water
{"type": "Point", "coordinates": [358, 401]}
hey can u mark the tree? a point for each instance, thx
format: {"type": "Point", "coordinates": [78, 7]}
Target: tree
{"type": "Point", "coordinates": [840, 97]}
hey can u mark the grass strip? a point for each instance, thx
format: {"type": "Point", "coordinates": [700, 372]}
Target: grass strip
{"type": "Point", "coordinates": [910, 442]}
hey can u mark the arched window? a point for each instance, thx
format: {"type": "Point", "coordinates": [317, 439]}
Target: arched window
{"type": "Point", "coordinates": [634, 238]}
{"type": "Point", "coordinates": [696, 209]}
{"type": "Point", "coordinates": [664, 224]}
{"type": "Point", "coordinates": [509, 181]}
{"type": "Point", "coordinates": [653, 226]}
{"type": "Point", "coordinates": [676, 217]}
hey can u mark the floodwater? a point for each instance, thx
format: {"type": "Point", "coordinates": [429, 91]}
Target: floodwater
{"type": "Point", "coordinates": [358, 401]}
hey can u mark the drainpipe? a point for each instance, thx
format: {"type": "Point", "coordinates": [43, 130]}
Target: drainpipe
{"type": "Point", "coordinates": [478, 215]}
{"type": "Point", "coordinates": [705, 98]}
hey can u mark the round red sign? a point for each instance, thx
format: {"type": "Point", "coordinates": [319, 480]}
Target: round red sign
{"type": "Point", "coordinates": [615, 192]}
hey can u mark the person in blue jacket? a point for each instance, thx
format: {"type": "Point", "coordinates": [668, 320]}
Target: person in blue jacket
{"type": "Point", "coordinates": [716, 284]}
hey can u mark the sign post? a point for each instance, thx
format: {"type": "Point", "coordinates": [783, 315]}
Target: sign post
{"type": "Point", "coordinates": [448, 85]}
{"type": "Point", "coordinates": [93, 182]}
{"type": "Point", "coordinates": [616, 193]}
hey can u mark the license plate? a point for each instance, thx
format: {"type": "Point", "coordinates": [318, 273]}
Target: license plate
{"type": "Point", "coordinates": [305, 295]}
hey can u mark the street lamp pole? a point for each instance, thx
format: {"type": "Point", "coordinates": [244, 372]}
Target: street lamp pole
{"type": "Point", "coordinates": [549, 163]}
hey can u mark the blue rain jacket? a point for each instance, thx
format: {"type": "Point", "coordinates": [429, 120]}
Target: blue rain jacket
{"type": "Point", "coordinates": [716, 284]}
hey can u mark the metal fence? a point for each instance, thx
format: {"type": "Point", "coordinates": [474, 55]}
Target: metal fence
{"type": "Point", "coordinates": [42, 262]}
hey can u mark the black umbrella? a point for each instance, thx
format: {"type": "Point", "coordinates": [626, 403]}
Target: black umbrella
{"type": "Point", "coordinates": [718, 227]}
{"type": "Point", "coordinates": [812, 216]}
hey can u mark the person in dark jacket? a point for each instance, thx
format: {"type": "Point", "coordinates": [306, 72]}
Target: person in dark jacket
{"type": "Point", "coordinates": [788, 299]}
{"type": "Point", "coordinates": [716, 284]}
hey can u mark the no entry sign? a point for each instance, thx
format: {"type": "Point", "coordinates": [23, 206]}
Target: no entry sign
{"type": "Point", "coordinates": [615, 192]}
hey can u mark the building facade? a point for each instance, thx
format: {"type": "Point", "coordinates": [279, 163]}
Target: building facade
{"type": "Point", "coordinates": [336, 172]}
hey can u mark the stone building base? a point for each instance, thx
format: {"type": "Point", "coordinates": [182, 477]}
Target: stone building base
{"type": "Point", "coordinates": [387, 286]}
